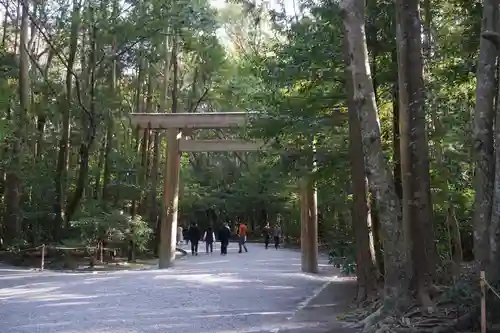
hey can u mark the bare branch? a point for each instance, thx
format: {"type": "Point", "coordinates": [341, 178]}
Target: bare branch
{"type": "Point", "coordinates": [60, 56]}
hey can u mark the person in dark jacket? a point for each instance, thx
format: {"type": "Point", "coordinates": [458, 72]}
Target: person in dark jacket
{"type": "Point", "coordinates": [185, 235]}
{"type": "Point", "coordinates": [209, 238]}
{"type": "Point", "coordinates": [224, 235]}
{"type": "Point", "coordinates": [266, 232]}
{"type": "Point", "coordinates": [277, 236]}
{"type": "Point", "coordinates": [194, 235]}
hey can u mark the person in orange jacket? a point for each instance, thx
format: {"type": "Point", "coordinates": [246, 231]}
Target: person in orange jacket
{"type": "Point", "coordinates": [242, 234]}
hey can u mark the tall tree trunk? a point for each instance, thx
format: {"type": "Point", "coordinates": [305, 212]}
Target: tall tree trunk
{"type": "Point", "coordinates": [164, 92]}
{"type": "Point", "coordinates": [5, 25]}
{"type": "Point", "coordinates": [380, 178]}
{"type": "Point", "coordinates": [138, 108]}
{"type": "Point", "coordinates": [65, 107]}
{"type": "Point", "coordinates": [110, 120]}
{"type": "Point", "coordinates": [98, 173]}
{"type": "Point", "coordinates": [366, 270]}
{"type": "Point", "coordinates": [171, 185]}
{"type": "Point", "coordinates": [89, 124]}
{"type": "Point", "coordinates": [396, 144]}
{"type": "Point", "coordinates": [483, 137]}
{"type": "Point", "coordinates": [13, 216]}
{"type": "Point", "coordinates": [416, 204]}
{"type": "Point", "coordinates": [41, 113]}
{"type": "Point", "coordinates": [494, 227]}
{"type": "Point", "coordinates": [146, 138]}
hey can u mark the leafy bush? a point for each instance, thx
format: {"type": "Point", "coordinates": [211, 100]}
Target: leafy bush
{"type": "Point", "coordinates": [114, 226]}
{"type": "Point", "coordinates": [345, 260]}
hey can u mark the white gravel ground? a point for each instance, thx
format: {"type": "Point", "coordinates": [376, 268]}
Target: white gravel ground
{"type": "Point", "coordinates": [249, 292]}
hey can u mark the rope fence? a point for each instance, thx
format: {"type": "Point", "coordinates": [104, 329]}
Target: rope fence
{"type": "Point", "coordinates": [45, 247]}
{"type": "Point", "coordinates": [485, 286]}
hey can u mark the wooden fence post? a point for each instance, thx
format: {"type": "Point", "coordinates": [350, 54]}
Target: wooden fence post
{"type": "Point", "coordinates": [483, 301]}
{"type": "Point", "coordinates": [42, 264]}
{"type": "Point", "coordinates": [101, 249]}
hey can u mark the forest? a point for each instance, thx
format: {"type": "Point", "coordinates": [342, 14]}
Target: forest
{"type": "Point", "coordinates": [389, 108]}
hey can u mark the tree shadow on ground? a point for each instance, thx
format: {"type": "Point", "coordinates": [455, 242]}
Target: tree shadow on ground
{"type": "Point", "coordinates": [156, 300]}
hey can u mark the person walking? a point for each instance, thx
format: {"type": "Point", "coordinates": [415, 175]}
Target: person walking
{"type": "Point", "coordinates": [224, 235]}
{"type": "Point", "coordinates": [209, 238]}
{"type": "Point", "coordinates": [277, 236]}
{"type": "Point", "coordinates": [185, 235]}
{"type": "Point", "coordinates": [179, 235]}
{"type": "Point", "coordinates": [267, 235]}
{"type": "Point", "coordinates": [242, 237]}
{"type": "Point", "coordinates": [194, 236]}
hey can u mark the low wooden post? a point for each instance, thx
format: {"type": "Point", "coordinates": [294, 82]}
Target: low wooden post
{"type": "Point", "coordinates": [42, 263]}
{"type": "Point", "coordinates": [482, 278]}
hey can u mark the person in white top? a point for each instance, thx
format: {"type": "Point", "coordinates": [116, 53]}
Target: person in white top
{"type": "Point", "coordinates": [179, 235]}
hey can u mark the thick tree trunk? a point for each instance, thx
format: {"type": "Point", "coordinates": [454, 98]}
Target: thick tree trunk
{"type": "Point", "coordinates": [494, 227]}
{"type": "Point", "coordinates": [366, 270]}
{"type": "Point", "coordinates": [171, 187]}
{"type": "Point", "coordinates": [379, 175]}
{"type": "Point", "coordinates": [483, 137]}
{"type": "Point", "coordinates": [416, 204]}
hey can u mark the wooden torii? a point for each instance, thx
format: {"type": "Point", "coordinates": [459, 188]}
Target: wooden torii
{"type": "Point", "coordinates": [175, 124]}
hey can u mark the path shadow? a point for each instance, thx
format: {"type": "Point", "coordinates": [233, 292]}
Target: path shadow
{"type": "Point", "coordinates": [320, 315]}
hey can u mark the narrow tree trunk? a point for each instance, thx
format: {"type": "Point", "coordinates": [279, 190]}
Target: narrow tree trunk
{"type": "Point", "coordinates": [455, 238]}
{"type": "Point", "coordinates": [138, 108]}
{"type": "Point", "coordinates": [90, 125]}
{"type": "Point", "coordinates": [41, 114]}
{"type": "Point", "coordinates": [395, 130]}
{"type": "Point", "coordinates": [62, 157]}
{"type": "Point", "coordinates": [110, 120]}
{"type": "Point", "coordinates": [98, 174]}
{"type": "Point", "coordinates": [146, 139]}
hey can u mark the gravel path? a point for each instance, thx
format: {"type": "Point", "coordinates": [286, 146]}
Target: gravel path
{"type": "Point", "coordinates": [256, 291]}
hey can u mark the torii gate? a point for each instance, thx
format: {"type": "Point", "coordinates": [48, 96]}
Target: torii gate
{"type": "Point", "coordinates": [174, 124]}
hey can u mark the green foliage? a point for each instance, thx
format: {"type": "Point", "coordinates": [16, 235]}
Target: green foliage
{"type": "Point", "coordinates": [114, 226]}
